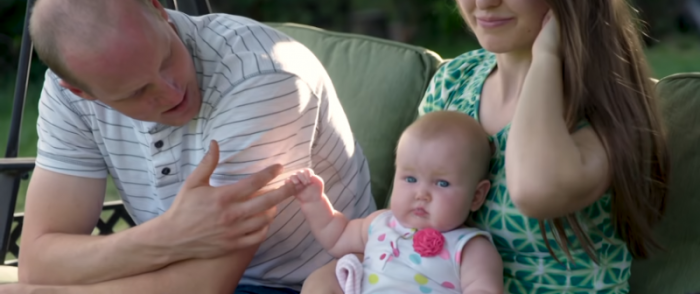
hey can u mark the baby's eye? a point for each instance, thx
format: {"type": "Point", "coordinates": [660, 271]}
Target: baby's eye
{"type": "Point", "coordinates": [443, 183]}
{"type": "Point", "coordinates": [411, 179]}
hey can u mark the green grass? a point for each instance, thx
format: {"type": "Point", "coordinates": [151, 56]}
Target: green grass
{"type": "Point", "coordinates": [678, 54]}
{"type": "Point", "coordinates": [28, 135]}
{"type": "Point", "coordinates": [674, 55]}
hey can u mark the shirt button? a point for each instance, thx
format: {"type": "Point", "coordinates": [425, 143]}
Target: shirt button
{"type": "Point", "coordinates": [159, 144]}
{"type": "Point", "coordinates": [166, 171]}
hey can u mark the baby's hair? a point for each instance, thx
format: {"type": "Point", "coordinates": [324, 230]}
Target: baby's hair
{"type": "Point", "coordinates": [459, 126]}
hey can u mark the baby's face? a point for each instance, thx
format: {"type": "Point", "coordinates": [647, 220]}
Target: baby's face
{"type": "Point", "coordinates": [434, 184]}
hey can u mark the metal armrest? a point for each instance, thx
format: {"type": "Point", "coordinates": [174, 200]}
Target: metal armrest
{"type": "Point", "coordinates": [11, 171]}
{"type": "Point", "coordinates": [16, 165]}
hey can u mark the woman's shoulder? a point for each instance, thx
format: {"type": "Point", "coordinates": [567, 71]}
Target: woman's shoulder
{"type": "Point", "coordinates": [464, 68]}
{"type": "Point", "coordinates": [457, 77]}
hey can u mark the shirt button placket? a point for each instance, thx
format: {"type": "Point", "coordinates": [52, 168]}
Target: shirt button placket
{"type": "Point", "coordinates": [159, 144]}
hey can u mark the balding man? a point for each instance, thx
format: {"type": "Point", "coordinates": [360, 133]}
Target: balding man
{"type": "Point", "coordinates": [142, 93]}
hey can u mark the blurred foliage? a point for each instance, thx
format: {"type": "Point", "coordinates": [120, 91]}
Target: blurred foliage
{"type": "Point", "coordinates": [12, 15]}
{"type": "Point", "coordinates": [321, 13]}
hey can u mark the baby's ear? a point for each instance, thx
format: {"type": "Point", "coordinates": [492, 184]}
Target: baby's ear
{"type": "Point", "coordinates": [482, 189]}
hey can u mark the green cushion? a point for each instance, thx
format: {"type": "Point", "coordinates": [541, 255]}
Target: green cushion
{"type": "Point", "coordinates": [676, 270]}
{"type": "Point", "coordinates": [8, 274]}
{"type": "Point", "coordinates": [380, 84]}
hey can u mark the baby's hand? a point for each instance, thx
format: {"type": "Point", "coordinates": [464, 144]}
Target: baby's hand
{"type": "Point", "coordinates": [309, 186]}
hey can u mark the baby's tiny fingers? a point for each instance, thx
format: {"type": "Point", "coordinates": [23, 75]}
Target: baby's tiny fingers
{"type": "Point", "coordinates": [307, 176]}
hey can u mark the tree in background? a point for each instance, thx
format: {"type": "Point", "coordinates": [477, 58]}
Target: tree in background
{"type": "Point", "coordinates": [330, 14]}
{"type": "Point", "coordinates": [661, 18]}
{"type": "Point", "coordinates": [12, 15]}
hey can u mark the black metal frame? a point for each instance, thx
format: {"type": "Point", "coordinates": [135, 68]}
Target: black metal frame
{"type": "Point", "coordinates": [13, 169]}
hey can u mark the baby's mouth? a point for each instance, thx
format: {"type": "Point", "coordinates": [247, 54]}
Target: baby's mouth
{"type": "Point", "coordinates": [420, 212]}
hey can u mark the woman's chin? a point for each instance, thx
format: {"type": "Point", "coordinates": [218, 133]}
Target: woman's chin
{"type": "Point", "coordinates": [496, 47]}
{"type": "Point", "coordinates": [499, 45]}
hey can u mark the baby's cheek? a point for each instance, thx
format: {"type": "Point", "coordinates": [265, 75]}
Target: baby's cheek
{"type": "Point", "coordinates": [452, 216]}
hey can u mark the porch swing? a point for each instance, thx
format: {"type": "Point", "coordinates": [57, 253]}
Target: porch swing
{"type": "Point", "coordinates": [392, 77]}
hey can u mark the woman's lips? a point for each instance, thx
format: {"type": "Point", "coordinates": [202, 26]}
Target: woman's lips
{"type": "Point", "coordinates": [492, 22]}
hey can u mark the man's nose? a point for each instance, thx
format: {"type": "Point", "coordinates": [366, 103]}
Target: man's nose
{"type": "Point", "coordinates": [170, 91]}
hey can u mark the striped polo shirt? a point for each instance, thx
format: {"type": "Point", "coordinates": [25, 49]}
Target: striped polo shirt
{"type": "Point", "coordinates": [266, 99]}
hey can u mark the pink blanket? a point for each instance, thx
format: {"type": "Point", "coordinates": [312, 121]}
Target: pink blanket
{"type": "Point", "coordinates": [349, 273]}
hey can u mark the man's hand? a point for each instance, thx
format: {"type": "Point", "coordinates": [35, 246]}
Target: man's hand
{"type": "Point", "coordinates": [207, 221]}
{"type": "Point", "coordinates": [308, 185]}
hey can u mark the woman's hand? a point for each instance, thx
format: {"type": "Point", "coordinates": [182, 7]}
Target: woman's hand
{"type": "Point", "coordinates": [549, 39]}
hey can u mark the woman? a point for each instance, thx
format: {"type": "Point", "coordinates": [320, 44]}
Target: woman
{"type": "Point", "coordinates": [563, 89]}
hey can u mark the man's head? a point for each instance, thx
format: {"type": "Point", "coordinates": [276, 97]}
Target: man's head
{"type": "Point", "coordinates": [123, 53]}
{"type": "Point", "coordinates": [442, 163]}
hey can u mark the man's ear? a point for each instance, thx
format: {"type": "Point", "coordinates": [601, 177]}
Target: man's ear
{"type": "Point", "coordinates": [482, 189]}
{"type": "Point", "coordinates": [75, 90]}
{"type": "Point", "coordinates": [159, 7]}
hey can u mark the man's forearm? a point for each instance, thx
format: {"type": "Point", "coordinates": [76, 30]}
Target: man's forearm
{"type": "Point", "coordinates": [206, 276]}
{"type": "Point", "coordinates": [60, 259]}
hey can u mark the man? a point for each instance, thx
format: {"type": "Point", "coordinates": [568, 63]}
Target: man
{"type": "Point", "coordinates": [142, 93]}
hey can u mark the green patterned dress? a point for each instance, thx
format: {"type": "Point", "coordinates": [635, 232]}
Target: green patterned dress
{"type": "Point", "coordinates": [528, 265]}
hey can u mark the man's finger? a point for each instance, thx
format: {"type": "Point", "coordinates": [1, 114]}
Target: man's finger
{"type": "Point", "coordinates": [251, 184]}
{"type": "Point", "coordinates": [201, 174]}
{"type": "Point", "coordinates": [296, 188]}
{"type": "Point", "coordinates": [254, 238]}
{"type": "Point", "coordinates": [253, 223]}
{"type": "Point", "coordinates": [266, 201]}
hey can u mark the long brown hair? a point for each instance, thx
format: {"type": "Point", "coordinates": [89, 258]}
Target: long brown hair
{"type": "Point", "coordinates": [607, 82]}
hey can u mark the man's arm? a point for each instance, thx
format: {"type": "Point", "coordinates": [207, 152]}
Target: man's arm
{"type": "Point", "coordinates": [62, 209]}
{"type": "Point", "coordinates": [155, 240]}
{"type": "Point", "coordinates": [206, 276]}
{"type": "Point", "coordinates": [64, 201]}
{"type": "Point", "coordinates": [60, 214]}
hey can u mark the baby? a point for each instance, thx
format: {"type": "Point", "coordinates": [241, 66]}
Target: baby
{"type": "Point", "coordinates": [421, 244]}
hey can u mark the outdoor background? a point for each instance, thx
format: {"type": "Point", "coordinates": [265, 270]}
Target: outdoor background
{"type": "Point", "coordinates": [673, 41]}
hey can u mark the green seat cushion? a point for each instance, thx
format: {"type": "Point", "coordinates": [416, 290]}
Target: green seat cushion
{"type": "Point", "coordinates": [380, 84]}
{"type": "Point", "coordinates": [8, 274]}
{"type": "Point", "coordinates": [677, 269]}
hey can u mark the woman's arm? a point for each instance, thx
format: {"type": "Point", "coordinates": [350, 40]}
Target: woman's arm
{"type": "Point", "coordinates": [551, 172]}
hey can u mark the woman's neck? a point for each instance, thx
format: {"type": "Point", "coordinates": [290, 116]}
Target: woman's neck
{"type": "Point", "coordinates": [510, 74]}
